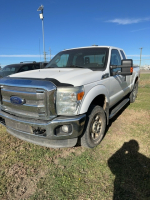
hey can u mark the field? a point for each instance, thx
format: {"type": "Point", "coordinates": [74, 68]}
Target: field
{"type": "Point", "coordinates": [119, 168]}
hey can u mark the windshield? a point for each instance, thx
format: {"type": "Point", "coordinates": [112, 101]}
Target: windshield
{"type": "Point", "coordinates": [8, 70]}
{"type": "Point", "coordinates": [93, 58]}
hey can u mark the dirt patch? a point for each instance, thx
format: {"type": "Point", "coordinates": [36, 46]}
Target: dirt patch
{"type": "Point", "coordinates": [22, 185]}
{"type": "Point", "coordinates": [129, 118]}
{"type": "Point", "coordinates": [66, 152]}
{"type": "Point", "coordinates": [116, 127]}
{"type": "Point", "coordinates": [23, 180]}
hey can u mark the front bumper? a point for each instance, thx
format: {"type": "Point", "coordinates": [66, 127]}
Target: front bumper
{"type": "Point", "coordinates": [45, 134]}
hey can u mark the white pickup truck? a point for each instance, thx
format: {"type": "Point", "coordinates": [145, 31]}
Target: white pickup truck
{"type": "Point", "coordinates": [70, 100]}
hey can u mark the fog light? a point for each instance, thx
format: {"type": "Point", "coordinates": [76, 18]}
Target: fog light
{"type": "Point", "coordinates": [65, 128]}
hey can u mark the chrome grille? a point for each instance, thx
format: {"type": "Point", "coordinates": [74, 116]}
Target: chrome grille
{"type": "Point", "coordinates": [39, 102]}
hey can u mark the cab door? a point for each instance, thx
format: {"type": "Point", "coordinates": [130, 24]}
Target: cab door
{"type": "Point", "coordinates": [117, 83]}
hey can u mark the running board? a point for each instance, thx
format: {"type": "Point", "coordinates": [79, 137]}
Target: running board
{"type": "Point", "coordinates": [117, 108]}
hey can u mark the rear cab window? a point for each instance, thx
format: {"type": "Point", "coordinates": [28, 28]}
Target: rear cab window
{"type": "Point", "coordinates": [8, 70]}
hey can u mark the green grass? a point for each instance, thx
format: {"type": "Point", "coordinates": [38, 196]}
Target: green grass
{"type": "Point", "coordinates": [114, 167]}
{"type": "Point", "coordinates": [143, 100]}
{"type": "Point", "coordinates": [145, 77]}
{"type": "Point", "coordinates": [144, 81]}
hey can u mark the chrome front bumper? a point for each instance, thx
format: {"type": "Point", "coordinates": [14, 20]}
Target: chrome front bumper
{"type": "Point", "coordinates": [25, 130]}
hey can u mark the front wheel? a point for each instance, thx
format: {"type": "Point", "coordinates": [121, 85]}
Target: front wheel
{"type": "Point", "coordinates": [94, 128]}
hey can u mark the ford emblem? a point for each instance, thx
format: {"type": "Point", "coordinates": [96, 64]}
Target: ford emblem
{"type": "Point", "coordinates": [17, 100]}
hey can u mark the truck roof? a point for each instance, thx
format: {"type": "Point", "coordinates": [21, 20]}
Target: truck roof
{"type": "Point", "coordinates": [94, 46]}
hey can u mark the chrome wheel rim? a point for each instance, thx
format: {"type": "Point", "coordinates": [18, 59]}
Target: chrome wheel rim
{"type": "Point", "coordinates": [96, 127]}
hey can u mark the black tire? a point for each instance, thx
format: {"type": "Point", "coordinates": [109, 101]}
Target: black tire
{"type": "Point", "coordinates": [134, 92]}
{"type": "Point", "coordinates": [94, 127]}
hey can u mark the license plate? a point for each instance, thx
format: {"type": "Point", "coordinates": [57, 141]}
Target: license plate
{"type": "Point", "coordinates": [18, 126]}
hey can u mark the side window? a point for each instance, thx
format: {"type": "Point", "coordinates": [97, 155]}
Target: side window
{"type": "Point", "coordinates": [43, 65]}
{"type": "Point", "coordinates": [37, 66]}
{"type": "Point", "coordinates": [115, 59]}
{"type": "Point", "coordinates": [123, 55]}
{"type": "Point", "coordinates": [26, 68]}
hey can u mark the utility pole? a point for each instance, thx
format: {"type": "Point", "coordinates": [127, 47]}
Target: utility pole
{"type": "Point", "coordinates": [140, 55]}
{"type": "Point", "coordinates": [42, 17]}
{"type": "Point", "coordinates": [50, 52]}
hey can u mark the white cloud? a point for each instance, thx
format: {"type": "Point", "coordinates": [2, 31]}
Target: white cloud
{"type": "Point", "coordinates": [20, 56]}
{"type": "Point", "coordinates": [138, 55]}
{"type": "Point", "coordinates": [128, 21]}
{"type": "Point", "coordinates": [23, 56]}
{"type": "Point", "coordinates": [140, 29]}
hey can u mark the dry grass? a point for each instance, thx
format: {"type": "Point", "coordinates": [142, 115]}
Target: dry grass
{"type": "Point", "coordinates": [31, 172]}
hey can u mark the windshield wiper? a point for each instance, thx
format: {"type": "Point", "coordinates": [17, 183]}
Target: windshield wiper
{"type": "Point", "coordinates": [52, 66]}
{"type": "Point", "coordinates": [75, 66]}
{"type": "Point", "coordinates": [69, 66]}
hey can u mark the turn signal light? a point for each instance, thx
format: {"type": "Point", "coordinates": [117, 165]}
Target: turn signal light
{"type": "Point", "coordinates": [131, 69]}
{"type": "Point", "coordinates": [80, 96]}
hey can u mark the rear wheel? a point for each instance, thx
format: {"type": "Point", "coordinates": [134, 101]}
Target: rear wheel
{"type": "Point", "coordinates": [94, 128]}
{"type": "Point", "coordinates": [134, 92]}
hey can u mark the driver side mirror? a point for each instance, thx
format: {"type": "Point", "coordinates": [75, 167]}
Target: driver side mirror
{"type": "Point", "coordinates": [126, 68]}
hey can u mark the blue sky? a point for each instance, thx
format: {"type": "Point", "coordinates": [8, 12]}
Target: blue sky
{"type": "Point", "coordinates": [69, 24]}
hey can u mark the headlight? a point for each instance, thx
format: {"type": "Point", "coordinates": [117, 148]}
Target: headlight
{"type": "Point", "coordinates": [68, 100]}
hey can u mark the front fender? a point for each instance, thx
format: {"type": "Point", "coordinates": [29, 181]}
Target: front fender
{"type": "Point", "coordinates": [91, 95]}
{"type": "Point", "coordinates": [135, 75]}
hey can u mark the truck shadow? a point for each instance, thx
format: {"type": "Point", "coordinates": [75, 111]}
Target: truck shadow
{"type": "Point", "coordinates": [108, 126]}
{"type": "Point", "coordinates": [132, 173]}
{"type": "Point", "coordinates": [115, 117]}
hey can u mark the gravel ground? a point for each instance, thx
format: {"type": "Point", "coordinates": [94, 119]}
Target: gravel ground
{"type": "Point", "coordinates": [145, 71]}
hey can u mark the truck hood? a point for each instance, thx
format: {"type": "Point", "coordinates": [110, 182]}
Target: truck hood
{"type": "Point", "coordinates": [76, 77]}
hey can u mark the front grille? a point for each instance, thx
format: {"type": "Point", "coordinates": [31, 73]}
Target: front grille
{"type": "Point", "coordinates": [39, 102]}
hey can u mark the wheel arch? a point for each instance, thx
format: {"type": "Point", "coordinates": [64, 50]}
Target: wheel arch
{"type": "Point", "coordinates": [96, 96]}
{"type": "Point", "coordinates": [136, 79]}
